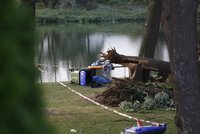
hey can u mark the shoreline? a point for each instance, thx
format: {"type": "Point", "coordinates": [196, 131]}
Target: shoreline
{"type": "Point", "coordinates": [111, 15]}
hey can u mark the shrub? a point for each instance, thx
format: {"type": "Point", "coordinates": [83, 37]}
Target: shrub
{"type": "Point", "coordinates": [149, 103]}
{"type": "Point", "coordinates": [130, 106]}
{"type": "Point", "coordinates": [162, 99]}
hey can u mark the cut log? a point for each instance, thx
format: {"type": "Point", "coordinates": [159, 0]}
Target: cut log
{"type": "Point", "coordinates": [147, 63]}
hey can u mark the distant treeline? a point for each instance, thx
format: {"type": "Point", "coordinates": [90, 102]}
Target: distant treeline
{"type": "Point", "coordinates": [87, 4]}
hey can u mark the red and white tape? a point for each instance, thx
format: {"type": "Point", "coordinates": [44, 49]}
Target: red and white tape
{"type": "Point", "coordinates": [139, 121]}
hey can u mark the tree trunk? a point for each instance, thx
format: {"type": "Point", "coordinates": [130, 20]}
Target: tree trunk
{"type": "Point", "coordinates": [147, 63]}
{"type": "Point", "coordinates": [179, 23]}
{"type": "Point", "coordinates": [151, 32]}
{"type": "Point", "coordinates": [30, 5]}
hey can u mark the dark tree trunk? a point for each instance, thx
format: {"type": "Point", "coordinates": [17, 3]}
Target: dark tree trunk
{"type": "Point", "coordinates": [30, 5]}
{"type": "Point", "coordinates": [151, 32]}
{"type": "Point", "coordinates": [179, 23]}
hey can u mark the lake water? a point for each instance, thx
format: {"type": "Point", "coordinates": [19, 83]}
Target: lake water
{"type": "Point", "coordinates": [62, 47]}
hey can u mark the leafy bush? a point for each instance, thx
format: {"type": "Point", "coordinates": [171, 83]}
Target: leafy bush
{"type": "Point", "coordinates": [149, 103]}
{"type": "Point", "coordinates": [162, 99]}
{"type": "Point", "coordinates": [130, 106]}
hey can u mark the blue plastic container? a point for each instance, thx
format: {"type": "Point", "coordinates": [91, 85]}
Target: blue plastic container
{"type": "Point", "coordinates": [82, 78]}
{"type": "Point", "coordinates": [100, 80]}
{"type": "Point", "coordinates": [147, 130]}
{"type": "Point", "coordinates": [85, 76]}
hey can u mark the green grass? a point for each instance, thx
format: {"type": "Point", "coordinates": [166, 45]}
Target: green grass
{"type": "Point", "coordinates": [46, 15]}
{"type": "Point", "coordinates": [66, 110]}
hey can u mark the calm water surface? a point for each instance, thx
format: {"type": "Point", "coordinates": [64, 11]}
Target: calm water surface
{"type": "Point", "coordinates": [62, 47]}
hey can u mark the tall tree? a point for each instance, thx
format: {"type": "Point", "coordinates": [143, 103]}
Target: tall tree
{"type": "Point", "coordinates": [151, 32]}
{"type": "Point", "coordinates": [179, 24]}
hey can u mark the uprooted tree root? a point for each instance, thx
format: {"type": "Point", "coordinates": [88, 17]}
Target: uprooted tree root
{"type": "Point", "coordinates": [127, 89]}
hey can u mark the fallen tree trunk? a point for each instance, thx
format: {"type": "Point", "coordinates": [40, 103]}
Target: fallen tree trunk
{"type": "Point", "coordinates": [147, 63]}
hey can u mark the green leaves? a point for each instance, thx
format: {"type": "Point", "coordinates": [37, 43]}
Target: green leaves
{"type": "Point", "coordinates": [161, 100]}
{"type": "Point", "coordinates": [129, 106]}
{"type": "Point", "coordinates": [149, 103]}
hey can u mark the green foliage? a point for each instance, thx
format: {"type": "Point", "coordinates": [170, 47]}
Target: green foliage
{"type": "Point", "coordinates": [89, 4]}
{"type": "Point", "coordinates": [129, 106]}
{"type": "Point", "coordinates": [127, 2]}
{"type": "Point", "coordinates": [98, 15]}
{"type": "Point", "coordinates": [162, 99]}
{"type": "Point", "coordinates": [149, 103]}
{"type": "Point", "coordinates": [21, 107]}
{"type": "Point", "coordinates": [160, 85]}
{"type": "Point", "coordinates": [120, 2]}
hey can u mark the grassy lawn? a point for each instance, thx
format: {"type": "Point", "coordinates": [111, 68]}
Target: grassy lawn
{"type": "Point", "coordinates": [47, 15]}
{"type": "Point", "coordinates": [66, 110]}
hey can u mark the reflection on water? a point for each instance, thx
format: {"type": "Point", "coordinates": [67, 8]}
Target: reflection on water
{"type": "Point", "coordinates": [124, 44]}
{"type": "Point", "coordinates": [78, 45]}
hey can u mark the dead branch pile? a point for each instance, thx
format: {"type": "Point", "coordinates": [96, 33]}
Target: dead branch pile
{"type": "Point", "coordinates": [126, 89]}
